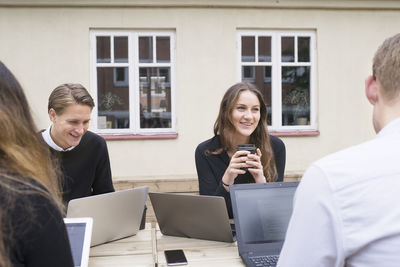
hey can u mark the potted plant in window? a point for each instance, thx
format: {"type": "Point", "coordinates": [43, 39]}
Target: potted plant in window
{"type": "Point", "coordinates": [299, 98]}
{"type": "Point", "coordinates": [109, 100]}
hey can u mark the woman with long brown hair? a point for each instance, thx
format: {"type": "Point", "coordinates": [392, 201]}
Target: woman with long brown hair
{"type": "Point", "coordinates": [242, 119]}
{"type": "Point", "coordinates": [32, 229]}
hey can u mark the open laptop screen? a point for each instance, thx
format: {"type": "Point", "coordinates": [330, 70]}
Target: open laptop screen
{"type": "Point", "coordinates": [79, 232]}
{"type": "Point", "coordinates": [264, 213]}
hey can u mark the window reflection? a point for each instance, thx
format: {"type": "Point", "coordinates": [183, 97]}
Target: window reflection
{"type": "Point", "coordinates": [248, 49]}
{"type": "Point", "coordinates": [261, 77]}
{"type": "Point", "coordinates": [113, 97]}
{"type": "Point", "coordinates": [145, 49]}
{"type": "Point", "coordinates": [121, 49]}
{"type": "Point", "coordinates": [303, 49]}
{"type": "Point", "coordinates": [163, 49]}
{"type": "Point", "coordinates": [103, 49]}
{"type": "Point", "coordinates": [155, 97]}
{"type": "Point", "coordinates": [287, 49]}
{"type": "Point", "coordinates": [295, 95]}
{"type": "Point", "coordinates": [264, 49]}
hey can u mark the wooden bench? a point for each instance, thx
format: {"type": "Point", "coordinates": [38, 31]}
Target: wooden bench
{"type": "Point", "coordinates": [185, 184]}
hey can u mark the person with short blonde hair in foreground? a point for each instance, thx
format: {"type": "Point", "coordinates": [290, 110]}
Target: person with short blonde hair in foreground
{"type": "Point", "coordinates": [346, 207]}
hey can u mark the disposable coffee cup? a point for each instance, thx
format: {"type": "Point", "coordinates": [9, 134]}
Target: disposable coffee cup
{"type": "Point", "coordinates": [247, 147]}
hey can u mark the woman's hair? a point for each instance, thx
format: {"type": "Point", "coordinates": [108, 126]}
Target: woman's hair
{"type": "Point", "coordinates": [22, 151]}
{"type": "Point", "coordinates": [260, 137]}
{"type": "Point", "coordinates": [23, 154]}
{"type": "Point", "coordinates": [68, 94]}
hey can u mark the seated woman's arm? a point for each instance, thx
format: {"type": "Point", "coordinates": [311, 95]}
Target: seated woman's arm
{"type": "Point", "coordinates": [280, 156]}
{"type": "Point", "coordinates": [209, 183]}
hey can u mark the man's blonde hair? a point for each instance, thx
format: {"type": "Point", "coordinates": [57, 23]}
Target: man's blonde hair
{"type": "Point", "coordinates": [68, 94]}
{"type": "Point", "coordinates": [386, 66]}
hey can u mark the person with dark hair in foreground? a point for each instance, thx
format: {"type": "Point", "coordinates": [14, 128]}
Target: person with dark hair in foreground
{"type": "Point", "coordinates": [32, 228]}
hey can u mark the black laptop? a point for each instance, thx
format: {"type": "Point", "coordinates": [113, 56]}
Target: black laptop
{"type": "Point", "coordinates": [261, 213]}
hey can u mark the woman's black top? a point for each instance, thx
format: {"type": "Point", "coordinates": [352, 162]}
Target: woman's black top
{"type": "Point", "coordinates": [32, 227]}
{"type": "Point", "coordinates": [211, 168]}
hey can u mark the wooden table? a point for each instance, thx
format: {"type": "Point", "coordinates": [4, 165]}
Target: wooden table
{"type": "Point", "coordinates": [131, 251]}
{"type": "Point", "coordinates": [147, 249]}
{"type": "Point", "coordinates": [199, 252]}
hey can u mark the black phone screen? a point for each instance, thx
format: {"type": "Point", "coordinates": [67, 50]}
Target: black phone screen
{"type": "Point", "coordinates": [175, 257]}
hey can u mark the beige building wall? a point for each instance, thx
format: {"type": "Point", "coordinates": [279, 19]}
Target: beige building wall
{"type": "Point", "coordinates": [46, 43]}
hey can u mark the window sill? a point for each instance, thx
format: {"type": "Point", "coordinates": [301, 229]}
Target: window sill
{"type": "Point", "coordinates": [295, 133]}
{"type": "Point", "coordinates": [138, 136]}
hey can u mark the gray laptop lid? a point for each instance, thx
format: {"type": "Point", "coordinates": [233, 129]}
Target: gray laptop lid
{"type": "Point", "coordinates": [202, 217]}
{"type": "Point", "coordinates": [115, 215]}
{"type": "Point", "coordinates": [262, 213]}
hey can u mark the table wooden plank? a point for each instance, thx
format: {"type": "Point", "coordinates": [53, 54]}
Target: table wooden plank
{"type": "Point", "coordinates": [122, 261]}
{"type": "Point", "coordinates": [211, 263]}
{"type": "Point", "coordinates": [199, 252]}
{"type": "Point", "coordinates": [173, 242]}
{"type": "Point", "coordinates": [141, 243]}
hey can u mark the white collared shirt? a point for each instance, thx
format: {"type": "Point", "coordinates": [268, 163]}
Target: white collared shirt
{"type": "Point", "coordinates": [47, 138]}
{"type": "Point", "coordinates": [346, 208]}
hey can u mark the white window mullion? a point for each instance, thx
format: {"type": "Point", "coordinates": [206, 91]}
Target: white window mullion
{"type": "Point", "coordinates": [313, 83]}
{"type": "Point", "coordinates": [239, 55]}
{"type": "Point", "coordinates": [173, 85]}
{"type": "Point", "coordinates": [277, 82]}
{"type": "Point", "coordinates": [134, 120]}
{"type": "Point", "coordinates": [154, 49]}
{"type": "Point", "coordinates": [295, 49]}
{"type": "Point", "coordinates": [93, 80]}
{"type": "Point", "coordinates": [112, 48]}
{"type": "Point", "coordinates": [256, 48]}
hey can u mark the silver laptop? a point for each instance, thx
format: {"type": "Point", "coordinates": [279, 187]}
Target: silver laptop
{"type": "Point", "coordinates": [262, 213]}
{"type": "Point", "coordinates": [194, 216]}
{"type": "Point", "coordinates": [79, 234]}
{"type": "Point", "coordinates": [115, 215]}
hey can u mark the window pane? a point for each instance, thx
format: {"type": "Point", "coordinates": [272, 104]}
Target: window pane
{"type": "Point", "coordinates": [113, 97]}
{"type": "Point", "coordinates": [303, 49]}
{"type": "Point", "coordinates": [155, 97]}
{"type": "Point", "coordinates": [248, 74]}
{"type": "Point", "coordinates": [162, 48]}
{"type": "Point", "coordinates": [146, 49]}
{"type": "Point", "coordinates": [103, 49]}
{"type": "Point", "coordinates": [261, 77]}
{"type": "Point", "coordinates": [264, 49]}
{"type": "Point", "coordinates": [248, 49]}
{"type": "Point", "coordinates": [287, 49]}
{"type": "Point", "coordinates": [295, 95]}
{"type": "Point", "coordinates": [121, 49]}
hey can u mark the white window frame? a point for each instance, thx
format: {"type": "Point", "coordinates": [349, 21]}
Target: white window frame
{"type": "Point", "coordinates": [276, 64]}
{"type": "Point", "coordinates": [133, 70]}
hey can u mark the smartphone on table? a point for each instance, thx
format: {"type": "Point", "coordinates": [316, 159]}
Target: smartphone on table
{"type": "Point", "coordinates": [175, 257]}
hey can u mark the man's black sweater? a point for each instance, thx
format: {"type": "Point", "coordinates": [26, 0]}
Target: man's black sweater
{"type": "Point", "coordinates": [86, 168]}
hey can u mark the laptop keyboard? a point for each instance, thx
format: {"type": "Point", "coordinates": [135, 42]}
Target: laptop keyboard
{"type": "Point", "coordinates": [265, 261]}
